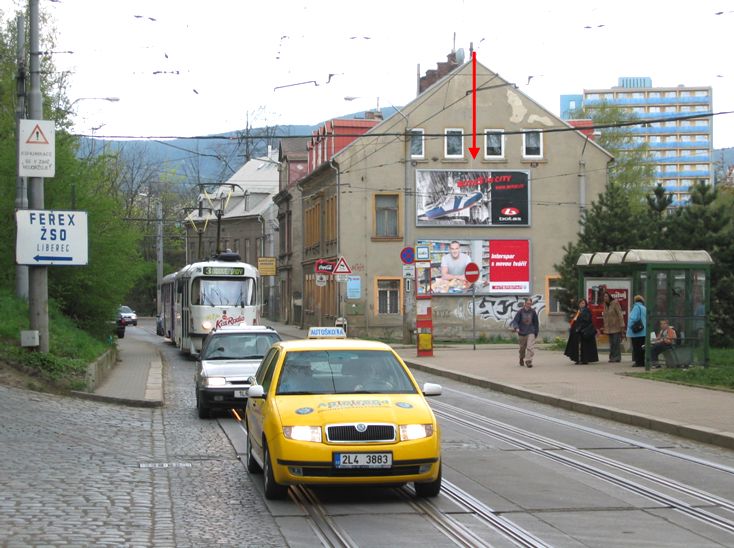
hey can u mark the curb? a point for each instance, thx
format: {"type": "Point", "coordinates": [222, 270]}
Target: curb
{"type": "Point", "coordinates": [714, 437]}
{"type": "Point", "coordinates": [120, 401]}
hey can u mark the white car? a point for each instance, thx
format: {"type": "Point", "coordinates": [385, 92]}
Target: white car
{"type": "Point", "coordinates": [128, 315]}
{"type": "Point", "coordinates": [229, 356]}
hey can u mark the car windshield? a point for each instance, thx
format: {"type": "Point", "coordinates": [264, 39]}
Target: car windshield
{"type": "Point", "coordinates": [126, 310]}
{"type": "Point", "coordinates": [343, 372]}
{"type": "Point", "coordinates": [238, 346]}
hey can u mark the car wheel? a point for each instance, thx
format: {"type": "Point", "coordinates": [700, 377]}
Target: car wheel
{"type": "Point", "coordinates": [273, 490]}
{"type": "Point", "coordinates": [135, 323]}
{"type": "Point", "coordinates": [430, 489]}
{"type": "Point", "coordinates": [203, 410]}
{"type": "Point", "coordinates": [252, 466]}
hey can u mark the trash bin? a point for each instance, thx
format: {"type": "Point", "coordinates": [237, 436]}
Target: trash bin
{"type": "Point", "coordinates": [342, 322]}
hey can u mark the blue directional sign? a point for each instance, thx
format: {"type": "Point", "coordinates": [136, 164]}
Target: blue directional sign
{"type": "Point", "coordinates": [49, 237]}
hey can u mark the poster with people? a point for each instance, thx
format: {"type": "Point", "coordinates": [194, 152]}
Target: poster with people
{"type": "Point", "coordinates": [504, 266]}
{"type": "Point", "coordinates": [478, 198]}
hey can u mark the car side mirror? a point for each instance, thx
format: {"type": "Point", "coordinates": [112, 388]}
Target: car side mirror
{"type": "Point", "coordinates": [432, 389]}
{"type": "Point", "coordinates": [256, 391]}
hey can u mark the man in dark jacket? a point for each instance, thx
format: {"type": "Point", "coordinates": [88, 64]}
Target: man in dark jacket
{"type": "Point", "coordinates": [526, 326]}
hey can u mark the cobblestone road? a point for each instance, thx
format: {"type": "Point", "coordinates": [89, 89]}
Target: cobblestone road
{"type": "Point", "coordinates": [83, 473]}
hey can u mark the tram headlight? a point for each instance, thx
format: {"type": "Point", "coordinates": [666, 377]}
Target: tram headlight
{"type": "Point", "coordinates": [213, 382]}
{"type": "Point", "coordinates": [207, 325]}
{"type": "Point", "coordinates": [415, 431]}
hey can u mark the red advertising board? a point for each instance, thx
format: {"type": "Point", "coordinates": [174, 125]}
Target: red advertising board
{"type": "Point", "coordinates": [509, 266]}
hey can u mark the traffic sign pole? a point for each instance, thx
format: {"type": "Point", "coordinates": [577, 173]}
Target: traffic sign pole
{"type": "Point", "coordinates": [471, 275]}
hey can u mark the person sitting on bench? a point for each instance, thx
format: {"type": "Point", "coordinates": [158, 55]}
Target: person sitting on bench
{"type": "Point", "coordinates": [664, 341]}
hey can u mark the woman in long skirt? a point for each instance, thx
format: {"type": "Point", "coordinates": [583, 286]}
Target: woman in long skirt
{"type": "Point", "coordinates": [581, 345]}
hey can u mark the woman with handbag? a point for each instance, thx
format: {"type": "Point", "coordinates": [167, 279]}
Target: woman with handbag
{"type": "Point", "coordinates": [581, 345]}
{"type": "Point", "coordinates": [637, 330]}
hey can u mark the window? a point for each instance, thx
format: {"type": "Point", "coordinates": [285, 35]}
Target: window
{"type": "Point", "coordinates": [532, 143]}
{"type": "Point", "coordinates": [555, 294]}
{"type": "Point", "coordinates": [454, 145]}
{"type": "Point", "coordinates": [331, 219]}
{"type": "Point", "coordinates": [494, 143]}
{"type": "Point", "coordinates": [386, 216]}
{"type": "Point", "coordinates": [312, 226]}
{"type": "Point", "coordinates": [416, 143]}
{"type": "Point", "coordinates": [388, 296]}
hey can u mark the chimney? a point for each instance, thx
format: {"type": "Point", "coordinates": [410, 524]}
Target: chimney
{"type": "Point", "coordinates": [442, 69]}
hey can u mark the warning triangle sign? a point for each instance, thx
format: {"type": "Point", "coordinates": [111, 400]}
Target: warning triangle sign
{"type": "Point", "coordinates": [37, 137]}
{"type": "Point", "coordinates": [342, 267]}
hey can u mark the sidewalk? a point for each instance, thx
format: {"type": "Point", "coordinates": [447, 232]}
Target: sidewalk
{"type": "Point", "coordinates": [599, 389]}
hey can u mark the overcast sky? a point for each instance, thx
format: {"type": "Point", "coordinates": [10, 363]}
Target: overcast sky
{"type": "Point", "coordinates": [184, 67]}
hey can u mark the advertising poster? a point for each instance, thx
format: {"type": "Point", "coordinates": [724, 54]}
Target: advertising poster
{"type": "Point", "coordinates": [478, 198]}
{"type": "Point", "coordinates": [618, 288]}
{"type": "Point", "coordinates": [504, 267]}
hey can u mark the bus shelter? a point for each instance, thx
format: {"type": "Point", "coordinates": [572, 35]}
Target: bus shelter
{"type": "Point", "coordinates": [676, 286]}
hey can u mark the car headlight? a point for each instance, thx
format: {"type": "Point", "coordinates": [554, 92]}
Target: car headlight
{"type": "Point", "coordinates": [303, 433]}
{"type": "Point", "coordinates": [215, 381]}
{"type": "Point", "coordinates": [415, 431]}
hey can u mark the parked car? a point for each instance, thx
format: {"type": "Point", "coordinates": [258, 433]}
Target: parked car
{"type": "Point", "coordinates": [229, 356]}
{"type": "Point", "coordinates": [128, 315]}
{"type": "Point", "coordinates": [340, 411]}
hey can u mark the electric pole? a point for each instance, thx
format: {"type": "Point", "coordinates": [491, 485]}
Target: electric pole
{"type": "Point", "coordinates": [21, 190]}
{"type": "Point", "coordinates": [37, 275]}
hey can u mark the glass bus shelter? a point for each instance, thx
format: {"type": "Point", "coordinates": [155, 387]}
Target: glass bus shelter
{"type": "Point", "coordinates": [676, 286]}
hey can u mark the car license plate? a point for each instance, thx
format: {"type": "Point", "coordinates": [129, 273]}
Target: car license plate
{"type": "Point", "coordinates": [362, 460]}
{"type": "Point", "coordinates": [240, 393]}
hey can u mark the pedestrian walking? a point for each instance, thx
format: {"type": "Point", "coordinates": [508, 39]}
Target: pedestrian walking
{"type": "Point", "coordinates": [637, 330]}
{"type": "Point", "coordinates": [581, 345]}
{"type": "Point", "coordinates": [613, 326]}
{"type": "Point", "coordinates": [527, 327]}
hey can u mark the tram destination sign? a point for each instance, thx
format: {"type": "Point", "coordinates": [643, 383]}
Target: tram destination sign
{"type": "Point", "coordinates": [48, 237]}
{"type": "Point", "coordinates": [224, 270]}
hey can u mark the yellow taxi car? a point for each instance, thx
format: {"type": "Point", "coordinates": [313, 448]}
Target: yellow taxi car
{"type": "Point", "coordinates": [340, 411]}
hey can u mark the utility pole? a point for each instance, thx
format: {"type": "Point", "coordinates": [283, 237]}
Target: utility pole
{"type": "Point", "coordinates": [37, 275]}
{"type": "Point", "coordinates": [159, 250]}
{"type": "Point", "coordinates": [21, 190]}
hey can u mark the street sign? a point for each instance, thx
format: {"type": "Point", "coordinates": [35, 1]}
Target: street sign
{"type": "Point", "coordinates": [342, 267]}
{"type": "Point", "coordinates": [407, 255]}
{"type": "Point", "coordinates": [47, 237]}
{"type": "Point", "coordinates": [341, 277]}
{"type": "Point", "coordinates": [320, 280]}
{"type": "Point", "coordinates": [421, 253]}
{"type": "Point", "coordinates": [471, 273]}
{"type": "Point", "coordinates": [36, 148]}
{"type": "Point", "coordinates": [266, 266]}
{"type": "Point", "coordinates": [408, 272]}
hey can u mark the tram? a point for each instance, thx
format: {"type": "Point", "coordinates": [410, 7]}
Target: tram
{"type": "Point", "coordinates": [209, 294]}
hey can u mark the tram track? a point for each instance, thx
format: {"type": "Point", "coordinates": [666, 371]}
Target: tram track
{"type": "Point", "coordinates": [332, 535]}
{"type": "Point", "coordinates": [519, 437]}
{"type": "Point", "coordinates": [596, 432]}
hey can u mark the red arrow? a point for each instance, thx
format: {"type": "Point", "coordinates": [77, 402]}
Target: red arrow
{"type": "Point", "coordinates": [473, 149]}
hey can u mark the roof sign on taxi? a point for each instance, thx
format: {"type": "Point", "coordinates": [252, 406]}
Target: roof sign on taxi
{"type": "Point", "coordinates": [326, 333]}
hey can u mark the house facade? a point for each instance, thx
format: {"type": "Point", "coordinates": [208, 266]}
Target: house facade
{"type": "Point", "coordinates": [411, 182]}
{"type": "Point", "coordinates": [293, 159]}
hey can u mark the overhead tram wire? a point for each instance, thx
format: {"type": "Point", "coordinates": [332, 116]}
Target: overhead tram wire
{"type": "Point", "coordinates": [636, 122]}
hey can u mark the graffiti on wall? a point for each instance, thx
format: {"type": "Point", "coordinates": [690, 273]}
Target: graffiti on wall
{"type": "Point", "coordinates": [503, 309]}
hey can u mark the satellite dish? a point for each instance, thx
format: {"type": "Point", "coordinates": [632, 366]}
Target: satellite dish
{"type": "Point", "coordinates": [460, 56]}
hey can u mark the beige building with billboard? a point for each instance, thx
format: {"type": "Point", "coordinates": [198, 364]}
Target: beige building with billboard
{"type": "Point", "coordinates": [412, 182]}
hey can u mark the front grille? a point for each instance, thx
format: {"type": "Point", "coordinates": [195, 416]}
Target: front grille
{"type": "Point", "coordinates": [345, 433]}
{"type": "Point", "coordinates": [360, 472]}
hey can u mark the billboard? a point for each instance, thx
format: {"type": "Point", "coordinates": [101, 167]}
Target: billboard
{"type": "Point", "coordinates": [504, 267]}
{"type": "Point", "coordinates": [472, 198]}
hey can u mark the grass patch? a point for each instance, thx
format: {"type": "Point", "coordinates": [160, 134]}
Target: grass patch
{"type": "Point", "coordinates": [719, 374]}
{"type": "Point", "coordinates": [70, 349]}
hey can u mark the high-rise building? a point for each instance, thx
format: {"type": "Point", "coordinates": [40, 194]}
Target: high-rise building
{"type": "Point", "coordinates": [682, 149]}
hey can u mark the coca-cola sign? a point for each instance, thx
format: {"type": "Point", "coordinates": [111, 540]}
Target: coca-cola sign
{"type": "Point", "coordinates": [324, 267]}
